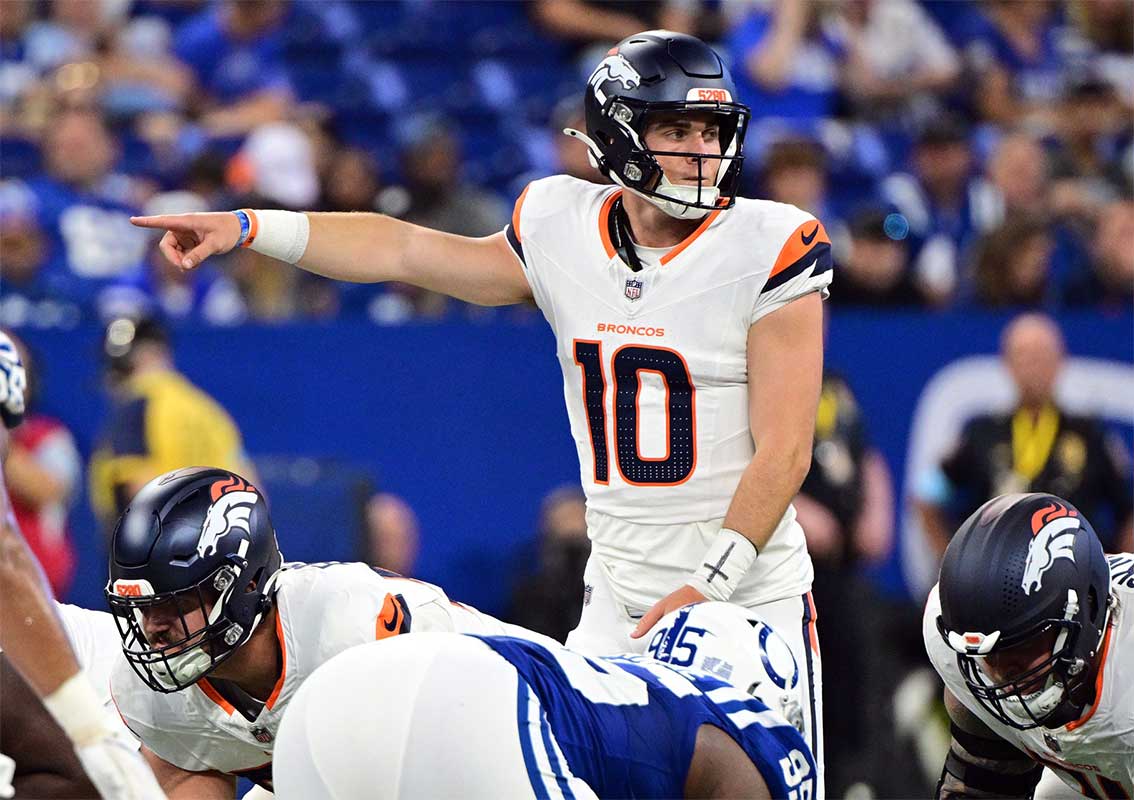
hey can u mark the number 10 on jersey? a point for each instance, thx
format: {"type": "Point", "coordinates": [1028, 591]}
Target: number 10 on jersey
{"type": "Point", "coordinates": [626, 366]}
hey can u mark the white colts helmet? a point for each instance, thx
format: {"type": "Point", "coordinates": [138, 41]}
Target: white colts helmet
{"type": "Point", "coordinates": [737, 646]}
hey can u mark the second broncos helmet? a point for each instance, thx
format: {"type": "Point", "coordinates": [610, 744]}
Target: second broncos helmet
{"type": "Point", "coordinates": [662, 71]}
{"type": "Point", "coordinates": [1025, 601]}
{"type": "Point", "coordinates": [195, 539]}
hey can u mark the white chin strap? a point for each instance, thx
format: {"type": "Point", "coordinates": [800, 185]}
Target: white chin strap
{"type": "Point", "coordinates": [674, 200]}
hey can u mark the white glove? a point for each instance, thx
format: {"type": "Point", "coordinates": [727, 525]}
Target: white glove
{"type": "Point", "coordinates": [7, 772]}
{"type": "Point", "coordinates": [116, 768]}
{"type": "Point", "coordinates": [109, 754]}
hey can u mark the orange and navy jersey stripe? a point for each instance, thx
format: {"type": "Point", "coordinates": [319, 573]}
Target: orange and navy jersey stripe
{"type": "Point", "coordinates": [512, 231]}
{"type": "Point", "coordinates": [808, 247]}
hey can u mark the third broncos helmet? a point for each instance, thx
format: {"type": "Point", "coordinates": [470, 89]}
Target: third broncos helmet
{"type": "Point", "coordinates": [195, 539]}
{"type": "Point", "coordinates": [662, 71]}
{"type": "Point", "coordinates": [1026, 575]}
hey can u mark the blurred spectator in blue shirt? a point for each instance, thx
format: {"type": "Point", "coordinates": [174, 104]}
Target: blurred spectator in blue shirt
{"type": "Point", "coordinates": [1018, 61]}
{"type": "Point", "coordinates": [874, 267]}
{"type": "Point", "coordinates": [795, 172]}
{"type": "Point", "coordinates": [900, 60]}
{"type": "Point", "coordinates": [594, 25]}
{"type": "Point", "coordinates": [236, 51]}
{"type": "Point", "coordinates": [1094, 131]}
{"type": "Point", "coordinates": [1109, 284]}
{"type": "Point", "coordinates": [786, 62]}
{"type": "Point", "coordinates": [1017, 182]}
{"type": "Point", "coordinates": [84, 208]}
{"type": "Point", "coordinates": [17, 72]}
{"type": "Point", "coordinates": [1105, 26]}
{"type": "Point", "coordinates": [1012, 264]}
{"type": "Point", "coordinates": [436, 195]}
{"type": "Point", "coordinates": [28, 295]}
{"type": "Point", "coordinates": [937, 199]}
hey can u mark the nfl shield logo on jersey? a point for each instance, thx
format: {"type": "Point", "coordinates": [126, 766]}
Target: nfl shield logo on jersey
{"type": "Point", "coordinates": [262, 734]}
{"type": "Point", "coordinates": [633, 289]}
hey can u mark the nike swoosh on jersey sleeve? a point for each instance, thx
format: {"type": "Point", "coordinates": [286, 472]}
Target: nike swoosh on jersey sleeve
{"type": "Point", "coordinates": [808, 247]}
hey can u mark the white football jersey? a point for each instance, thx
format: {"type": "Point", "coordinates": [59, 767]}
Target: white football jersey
{"type": "Point", "coordinates": [655, 366]}
{"type": "Point", "coordinates": [97, 643]}
{"type": "Point", "coordinates": [322, 610]}
{"type": "Point", "coordinates": [1093, 755]}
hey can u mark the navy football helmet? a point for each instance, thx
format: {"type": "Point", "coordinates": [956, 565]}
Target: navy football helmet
{"type": "Point", "coordinates": [647, 74]}
{"type": "Point", "coordinates": [1025, 601]}
{"type": "Point", "coordinates": [192, 540]}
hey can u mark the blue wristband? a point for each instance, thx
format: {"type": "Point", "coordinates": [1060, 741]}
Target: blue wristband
{"type": "Point", "coordinates": [245, 227]}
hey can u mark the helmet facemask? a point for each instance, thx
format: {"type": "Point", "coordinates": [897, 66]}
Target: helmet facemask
{"type": "Point", "coordinates": [623, 156]}
{"type": "Point", "coordinates": [171, 666]}
{"type": "Point", "coordinates": [1049, 692]}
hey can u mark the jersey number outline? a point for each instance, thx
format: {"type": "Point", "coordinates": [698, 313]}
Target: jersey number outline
{"type": "Point", "coordinates": [627, 363]}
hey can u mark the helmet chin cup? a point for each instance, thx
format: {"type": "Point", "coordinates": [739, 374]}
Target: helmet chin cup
{"type": "Point", "coordinates": [682, 202]}
{"type": "Point", "coordinates": [676, 201]}
{"type": "Point", "coordinates": [181, 670]}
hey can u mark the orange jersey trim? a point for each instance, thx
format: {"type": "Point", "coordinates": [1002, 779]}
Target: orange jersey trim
{"type": "Point", "coordinates": [812, 630]}
{"type": "Point", "coordinates": [604, 222]}
{"type": "Point", "coordinates": [283, 663]}
{"type": "Point", "coordinates": [516, 213]}
{"type": "Point", "coordinates": [688, 240]}
{"type": "Point", "coordinates": [215, 696]}
{"type": "Point", "coordinates": [1098, 683]}
{"type": "Point", "coordinates": [802, 239]}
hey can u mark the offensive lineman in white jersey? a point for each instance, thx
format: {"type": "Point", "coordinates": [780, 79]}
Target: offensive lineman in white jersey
{"type": "Point", "coordinates": [689, 330]}
{"type": "Point", "coordinates": [1031, 628]}
{"type": "Point", "coordinates": [218, 633]}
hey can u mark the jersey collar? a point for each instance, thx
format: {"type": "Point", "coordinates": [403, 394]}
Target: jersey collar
{"type": "Point", "coordinates": [604, 229]}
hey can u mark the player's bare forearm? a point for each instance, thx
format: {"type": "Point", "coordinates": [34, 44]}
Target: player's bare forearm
{"type": "Point", "coordinates": [785, 372]}
{"type": "Point", "coordinates": [368, 248]}
{"type": "Point", "coordinates": [180, 784]}
{"type": "Point", "coordinates": [30, 632]}
{"type": "Point", "coordinates": [770, 481]}
{"type": "Point", "coordinates": [361, 248]}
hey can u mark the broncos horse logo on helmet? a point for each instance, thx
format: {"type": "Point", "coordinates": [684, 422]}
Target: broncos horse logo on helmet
{"type": "Point", "coordinates": [663, 72]}
{"type": "Point", "coordinates": [173, 553]}
{"type": "Point", "coordinates": [1026, 571]}
{"type": "Point", "coordinates": [1053, 529]}
{"type": "Point", "coordinates": [231, 510]}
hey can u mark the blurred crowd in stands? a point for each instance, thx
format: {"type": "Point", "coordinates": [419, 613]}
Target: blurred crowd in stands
{"type": "Point", "coordinates": [962, 154]}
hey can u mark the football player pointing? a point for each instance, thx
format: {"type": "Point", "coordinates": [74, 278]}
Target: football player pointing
{"type": "Point", "coordinates": [688, 327]}
{"type": "Point", "coordinates": [1030, 628]}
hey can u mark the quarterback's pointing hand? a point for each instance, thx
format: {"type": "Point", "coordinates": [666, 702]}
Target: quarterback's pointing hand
{"type": "Point", "coordinates": [191, 238]}
{"type": "Point", "coordinates": [684, 596]}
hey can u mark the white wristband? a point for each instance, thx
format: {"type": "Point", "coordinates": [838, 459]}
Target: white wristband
{"type": "Point", "coordinates": [78, 710]}
{"type": "Point", "coordinates": [279, 234]}
{"type": "Point", "coordinates": [724, 565]}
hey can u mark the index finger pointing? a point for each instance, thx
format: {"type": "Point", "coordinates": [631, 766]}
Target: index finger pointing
{"type": "Point", "coordinates": [164, 221]}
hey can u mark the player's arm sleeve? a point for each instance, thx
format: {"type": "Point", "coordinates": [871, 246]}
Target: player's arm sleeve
{"type": "Point", "coordinates": [533, 221]}
{"type": "Point", "coordinates": [980, 764]}
{"type": "Point", "coordinates": [803, 266]}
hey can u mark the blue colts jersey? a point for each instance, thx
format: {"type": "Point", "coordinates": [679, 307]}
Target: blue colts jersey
{"type": "Point", "coordinates": [627, 725]}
